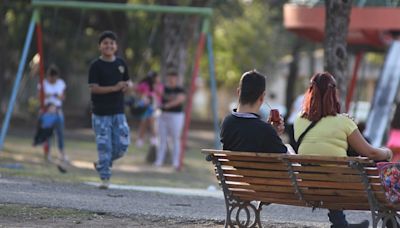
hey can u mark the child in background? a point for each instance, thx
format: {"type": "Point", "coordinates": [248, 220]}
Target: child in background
{"type": "Point", "coordinates": [47, 122]}
{"type": "Point", "coordinates": [150, 90]}
{"type": "Point", "coordinates": [54, 91]}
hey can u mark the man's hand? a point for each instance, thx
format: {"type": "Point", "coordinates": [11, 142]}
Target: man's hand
{"type": "Point", "coordinates": [279, 126]}
{"type": "Point", "coordinates": [121, 86]}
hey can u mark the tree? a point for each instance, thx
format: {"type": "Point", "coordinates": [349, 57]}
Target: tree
{"type": "Point", "coordinates": [335, 45]}
{"type": "Point", "coordinates": [249, 36]}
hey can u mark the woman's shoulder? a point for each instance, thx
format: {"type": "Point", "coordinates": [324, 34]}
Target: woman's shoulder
{"type": "Point", "coordinates": [300, 119]}
{"type": "Point", "coordinates": [344, 117]}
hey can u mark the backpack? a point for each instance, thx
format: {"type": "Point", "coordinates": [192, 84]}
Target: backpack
{"type": "Point", "coordinates": [389, 172]}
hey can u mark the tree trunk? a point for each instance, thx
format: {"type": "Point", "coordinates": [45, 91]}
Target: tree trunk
{"type": "Point", "coordinates": [178, 32]}
{"type": "Point", "coordinates": [174, 54]}
{"type": "Point", "coordinates": [335, 44]}
{"type": "Point", "coordinates": [293, 72]}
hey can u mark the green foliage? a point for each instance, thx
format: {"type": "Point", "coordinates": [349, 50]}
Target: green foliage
{"type": "Point", "coordinates": [250, 39]}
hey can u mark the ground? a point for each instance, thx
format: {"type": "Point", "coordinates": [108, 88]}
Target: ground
{"type": "Point", "coordinates": [34, 193]}
{"type": "Point", "coordinates": [12, 215]}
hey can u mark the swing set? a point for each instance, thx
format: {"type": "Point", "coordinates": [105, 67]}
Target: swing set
{"type": "Point", "coordinates": [205, 36]}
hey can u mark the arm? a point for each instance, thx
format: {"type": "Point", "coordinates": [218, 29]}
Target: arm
{"type": "Point", "coordinates": [94, 82]}
{"type": "Point", "coordinates": [175, 102]}
{"type": "Point", "coordinates": [96, 89]}
{"type": "Point", "coordinates": [357, 141]}
{"type": "Point", "coordinates": [61, 96]}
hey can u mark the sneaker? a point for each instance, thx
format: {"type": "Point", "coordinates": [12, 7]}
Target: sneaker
{"type": "Point", "coordinates": [61, 169]}
{"type": "Point", "coordinates": [64, 158]}
{"type": "Point", "coordinates": [105, 184]}
{"type": "Point", "coordinates": [363, 224]}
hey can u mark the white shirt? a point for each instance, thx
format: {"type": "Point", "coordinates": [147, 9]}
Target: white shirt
{"type": "Point", "coordinates": [296, 109]}
{"type": "Point", "coordinates": [52, 91]}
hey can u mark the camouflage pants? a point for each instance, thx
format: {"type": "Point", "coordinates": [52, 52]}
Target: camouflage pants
{"type": "Point", "coordinates": [112, 139]}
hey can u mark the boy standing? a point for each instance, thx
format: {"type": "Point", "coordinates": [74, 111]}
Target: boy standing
{"type": "Point", "coordinates": [108, 80]}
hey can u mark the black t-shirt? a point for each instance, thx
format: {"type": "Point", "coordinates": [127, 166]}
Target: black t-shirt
{"type": "Point", "coordinates": [171, 94]}
{"type": "Point", "coordinates": [106, 73]}
{"type": "Point", "coordinates": [250, 135]}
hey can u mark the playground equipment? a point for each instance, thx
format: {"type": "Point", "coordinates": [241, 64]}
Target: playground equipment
{"type": "Point", "coordinates": [373, 26]}
{"type": "Point", "coordinates": [205, 36]}
{"type": "Point", "coordinates": [386, 91]}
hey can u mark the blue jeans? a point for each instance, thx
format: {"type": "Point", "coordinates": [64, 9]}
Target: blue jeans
{"type": "Point", "coordinates": [59, 131]}
{"type": "Point", "coordinates": [337, 218]}
{"type": "Point", "coordinates": [112, 139]}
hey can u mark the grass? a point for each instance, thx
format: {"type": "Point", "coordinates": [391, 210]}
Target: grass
{"type": "Point", "coordinates": [129, 170]}
{"type": "Point", "coordinates": [29, 212]}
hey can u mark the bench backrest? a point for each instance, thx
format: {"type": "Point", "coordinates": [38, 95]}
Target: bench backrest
{"type": "Point", "coordinates": [320, 181]}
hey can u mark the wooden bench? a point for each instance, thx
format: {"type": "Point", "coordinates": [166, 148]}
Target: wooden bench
{"type": "Point", "coordinates": [251, 180]}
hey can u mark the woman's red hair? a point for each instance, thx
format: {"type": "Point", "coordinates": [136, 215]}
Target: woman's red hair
{"type": "Point", "coordinates": [320, 99]}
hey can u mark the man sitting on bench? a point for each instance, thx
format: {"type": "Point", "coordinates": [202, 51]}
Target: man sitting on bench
{"type": "Point", "coordinates": [243, 130]}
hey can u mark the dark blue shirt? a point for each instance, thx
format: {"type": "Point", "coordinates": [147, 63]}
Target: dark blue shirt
{"type": "Point", "coordinates": [249, 133]}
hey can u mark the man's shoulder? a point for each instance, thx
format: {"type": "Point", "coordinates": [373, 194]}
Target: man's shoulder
{"type": "Point", "coordinates": [248, 122]}
{"type": "Point", "coordinates": [95, 62]}
{"type": "Point", "coordinates": [120, 60]}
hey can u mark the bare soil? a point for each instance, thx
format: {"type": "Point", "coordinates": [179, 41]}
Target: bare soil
{"type": "Point", "coordinates": [16, 215]}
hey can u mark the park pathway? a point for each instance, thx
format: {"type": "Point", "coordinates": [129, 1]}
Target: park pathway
{"type": "Point", "coordinates": [186, 204]}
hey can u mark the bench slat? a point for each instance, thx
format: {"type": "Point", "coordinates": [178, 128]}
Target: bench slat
{"type": "Point", "coordinates": [255, 180]}
{"type": "Point", "coordinates": [330, 177]}
{"type": "Point", "coordinates": [330, 159]}
{"type": "Point", "coordinates": [346, 206]}
{"type": "Point", "coordinates": [258, 173]}
{"type": "Point", "coordinates": [335, 192]}
{"type": "Point", "coordinates": [332, 185]}
{"type": "Point", "coordinates": [272, 200]}
{"type": "Point", "coordinates": [255, 187]}
{"type": "Point", "coordinates": [335, 199]}
{"type": "Point", "coordinates": [246, 158]}
{"type": "Point", "coordinates": [325, 169]}
{"type": "Point", "coordinates": [265, 194]}
{"type": "Point", "coordinates": [343, 206]}
{"type": "Point", "coordinates": [256, 165]}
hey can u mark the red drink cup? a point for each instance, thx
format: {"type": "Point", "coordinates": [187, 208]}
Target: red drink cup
{"type": "Point", "coordinates": [275, 117]}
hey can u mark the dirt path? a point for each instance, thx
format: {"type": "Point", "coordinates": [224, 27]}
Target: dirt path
{"type": "Point", "coordinates": [128, 208]}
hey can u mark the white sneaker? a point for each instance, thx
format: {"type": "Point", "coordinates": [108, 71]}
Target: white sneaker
{"type": "Point", "coordinates": [105, 184]}
{"type": "Point", "coordinates": [64, 158]}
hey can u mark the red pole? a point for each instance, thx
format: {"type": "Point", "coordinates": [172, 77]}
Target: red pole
{"type": "Point", "coordinates": [353, 80]}
{"type": "Point", "coordinates": [41, 63]}
{"type": "Point", "coordinates": [39, 38]}
{"type": "Point", "coordinates": [188, 109]}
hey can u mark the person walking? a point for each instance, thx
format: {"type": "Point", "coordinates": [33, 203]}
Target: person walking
{"type": "Point", "coordinates": [108, 80]}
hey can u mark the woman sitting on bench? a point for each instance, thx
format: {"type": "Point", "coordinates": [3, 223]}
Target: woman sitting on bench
{"type": "Point", "coordinates": [331, 133]}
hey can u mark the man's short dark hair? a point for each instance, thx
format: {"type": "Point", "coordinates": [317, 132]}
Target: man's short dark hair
{"type": "Point", "coordinates": [252, 86]}
{"type": "Point", "coordinates": [107, 34]}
